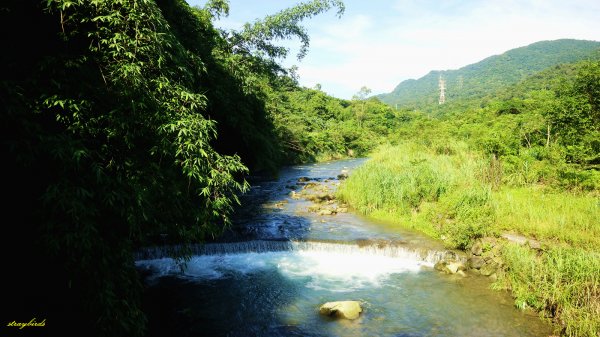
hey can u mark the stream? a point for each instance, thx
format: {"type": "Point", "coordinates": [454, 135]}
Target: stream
{"type": "Point", "coordinates": [270, 272]}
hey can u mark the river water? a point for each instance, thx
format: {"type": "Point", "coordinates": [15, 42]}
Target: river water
{"type": "Point", "coordinates": [279, 262]}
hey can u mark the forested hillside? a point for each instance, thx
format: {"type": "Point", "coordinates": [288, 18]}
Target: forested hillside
{"type": "Point", "coordinates": [525, 160]}
{"type": "Point", "coordinates": [476, 81]}
{"type": "Point", "coordinates": [128, 123]}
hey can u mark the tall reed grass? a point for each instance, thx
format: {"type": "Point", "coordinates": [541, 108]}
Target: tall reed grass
{"type": "Point", "coordinates": [563, 284]}
{"type": "Point", "coordinates": [549, 215]}
{"type": "Point", "coordinates": [457, 195]}
{"type": "Point", "coordinates": [402, 183]}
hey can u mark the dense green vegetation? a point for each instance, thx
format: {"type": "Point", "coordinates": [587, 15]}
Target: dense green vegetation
{"type": "Point", "coordinates": [472, 84]}
{"type": "Point", "coordinates": [313, 126]}
{"type": "Point", "coordinates": [524, 160]}
{"type": "Point", "coordinates": [134, 122]}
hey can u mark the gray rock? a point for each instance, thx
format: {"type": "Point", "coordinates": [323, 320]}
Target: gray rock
{"type": "Point", "coordinates": [534, 244]}
{"type": "Point", "coordinates": [450, 255]}
{"type": "Point", "coordinates": [449, 267]}
{"type": "Point", "coordinates": [475, 262]}
{"type": "Point", "coordinates": [489, 268]}
{"type": "Point", "coordinates": [477, 249]}
{"type": "Point", "coordinates": [454, 267]}
{"type": "Point", "coordinates": [314, 208]}
{"type": "Point", "coordinates": [325, 196]}
{"type": "Point", "coordinates": [341, 309]}
{"type": "Point", "coordinates": [516, 238]}
{"type": "Point", "coordinates": [440, 265]}
{"type": "Point", "coordinates": [326, 212]}
{"type": "Point", "coordinates": [312, 197]}
{"type": "Point", "coordinates": [522, 240]}
{"type": "Point", "coordinates": [343, 175]}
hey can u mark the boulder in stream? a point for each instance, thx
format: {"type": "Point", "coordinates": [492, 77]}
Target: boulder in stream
{"type": "Point", "coordinates": [454, 267]}
{"type": "Point", "coordinates": [341, 309]}
{"type": "Point", "coordinates": [343, 175]}
{"type": "Point", "coordinates": [476, 262]}
{"type": "Point", "coordinates": [449, 267]}
{"type": "Point", "coordinates": [326, 211]}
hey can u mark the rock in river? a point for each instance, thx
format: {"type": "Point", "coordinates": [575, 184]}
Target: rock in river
{"type": "Point", "coordinates": [449, 267]}
{"type": "Point", "coordinates": [341, 309]}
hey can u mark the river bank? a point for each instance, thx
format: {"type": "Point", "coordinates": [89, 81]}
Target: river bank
{"type": "Point", "coordinates": [283, 258]}
{"type": "Point", "coordinates": [541, 244]}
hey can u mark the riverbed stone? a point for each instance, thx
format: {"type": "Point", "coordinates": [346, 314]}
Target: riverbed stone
{"type": "Point", "coordinates": [450, 256]}
{"type": "Point", "coordinates": [314, 208]}
{"type": "Point", "coordinates": [534, 244]}
{"type": "Point", "coordinates": [343, 175]}
{"type": "Point", "coordinates": [440, 265]}
{"type": "Point", "coordinates": [342, 210]}
{"type": "Point", "coordinates": [325, 196]}
{"type": "Point", "coordinates": [341, 309]}
{"type": "Point", "coordinates": [312, 197]}
{"type": "Point", "coordinates": [326, 211]}
{"type": "Point", "coordinates": [477, 249]}
{"type": "Point", "coordinates": [475, 262]}
{"type": "Point", "coordinates": [489, 268]}
{"type": "Point", "coordinates": [310, 185]}
{"type": "Point", "coordinates": [454, 267]}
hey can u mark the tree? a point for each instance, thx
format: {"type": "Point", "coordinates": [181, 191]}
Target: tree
{"type": "Point", "coordinates": [362, 95]}
{"type": "Point", "coordinates": [259, 36]}
{"type": "Point", "coordinates": [110, 143]}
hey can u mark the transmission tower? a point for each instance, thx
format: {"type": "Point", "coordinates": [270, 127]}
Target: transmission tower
{"type": "Point", "coordinates": [442, 84]}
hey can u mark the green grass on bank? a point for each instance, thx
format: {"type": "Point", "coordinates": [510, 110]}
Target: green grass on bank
{"type": "Point", "coordinates": [563, 284]}
{"type": "Point", "coordinates": [550, 216]}
{"type": "Point", "coordinates": [457, 195]}
{"type": "Point", "coordinates": [436, 191]}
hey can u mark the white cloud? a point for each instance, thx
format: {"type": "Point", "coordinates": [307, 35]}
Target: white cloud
{"type": "Point", "coordinates": [380, 52]}
{"type": "Point", "coordinates": [380, 43]}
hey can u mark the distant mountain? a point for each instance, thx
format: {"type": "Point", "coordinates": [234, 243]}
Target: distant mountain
{"type": "Point", "coordinates": [478, 80]}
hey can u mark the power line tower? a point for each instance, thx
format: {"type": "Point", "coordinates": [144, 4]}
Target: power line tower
{"type": "Point", "coordinates": [442, 84]}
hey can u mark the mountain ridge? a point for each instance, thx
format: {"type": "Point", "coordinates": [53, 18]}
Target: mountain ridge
{"type": "Point", "coordinates": [482, 78]}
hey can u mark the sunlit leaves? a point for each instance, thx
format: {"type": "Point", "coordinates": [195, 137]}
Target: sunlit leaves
{"type": "Point", "coordinates": [260, 35]}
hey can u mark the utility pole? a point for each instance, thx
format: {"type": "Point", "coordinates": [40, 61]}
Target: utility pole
{"type": "Point", "coordinates": [442, 84]}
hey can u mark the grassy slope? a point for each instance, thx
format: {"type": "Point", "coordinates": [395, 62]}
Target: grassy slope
{"type": "Point", "coordinates": [447, 191]}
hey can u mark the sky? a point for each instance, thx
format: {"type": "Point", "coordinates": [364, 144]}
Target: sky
{"type": "Point", "coordinates": [379, 43]}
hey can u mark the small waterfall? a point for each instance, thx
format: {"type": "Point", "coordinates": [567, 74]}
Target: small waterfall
{"type": "Point", "coordinates": [378, 248]}
{"type": "Point", "coordinates": [255, 246]}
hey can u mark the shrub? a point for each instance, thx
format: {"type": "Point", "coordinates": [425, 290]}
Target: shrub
{"type": "Point", "coordinates": [463, 216]}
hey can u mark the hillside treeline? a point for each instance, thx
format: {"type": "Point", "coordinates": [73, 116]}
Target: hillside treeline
{"type": "Point", "coordinates": [134, 122]}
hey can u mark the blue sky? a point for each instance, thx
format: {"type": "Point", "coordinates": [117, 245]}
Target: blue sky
{"type": "Point", "coordinates": [379, 43]}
